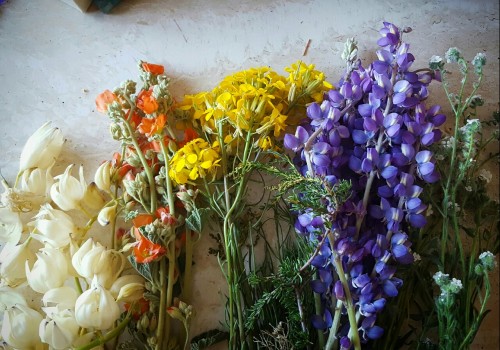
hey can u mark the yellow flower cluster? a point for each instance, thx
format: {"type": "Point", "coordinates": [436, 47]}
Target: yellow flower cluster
{"type": "Point", "coordinates": [255, 101]}
{"type": "Point", "coordinates": [196, 159]}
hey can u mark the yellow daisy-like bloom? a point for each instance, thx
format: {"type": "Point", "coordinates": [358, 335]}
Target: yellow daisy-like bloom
{"type": "Point", "coordinates": [197, 159]}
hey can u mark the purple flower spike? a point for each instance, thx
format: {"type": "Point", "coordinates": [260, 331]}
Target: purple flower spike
{"type": "Point", "coordinates": [314, 111]}
{"type": "Point", "coordinates": [380, 145]}
{"type": "Point", "coordinates": [374, 332]}
{"type": "Point", "coordinates": [339, 290]}
{"type": "Point", "coordinates": [345, 343]}
{"type": "Point", "coordinates": [318, 286]}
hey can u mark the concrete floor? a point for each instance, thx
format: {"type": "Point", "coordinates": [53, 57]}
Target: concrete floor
{"type": "Point", "coordinates": [54, 60]}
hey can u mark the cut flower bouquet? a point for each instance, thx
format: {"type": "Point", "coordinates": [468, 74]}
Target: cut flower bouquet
{"type": "Point", "coordinates": [371, 227]}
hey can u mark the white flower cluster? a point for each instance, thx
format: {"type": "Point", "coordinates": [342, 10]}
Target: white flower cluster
{"type": "Point", "coordinates": [81, 283]}
{"type": "Point", "coordinates": [448, 287]}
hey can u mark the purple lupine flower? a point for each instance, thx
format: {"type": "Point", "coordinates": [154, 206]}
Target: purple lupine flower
{"type": "Point", "coordinates": [374, 130]}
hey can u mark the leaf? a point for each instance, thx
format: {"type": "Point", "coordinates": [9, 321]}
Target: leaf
{"type": "Point", "coordinates": [208, 338]}
{"type": "Point", "coordinates": [197, 218]}
{"type": "Point", "coordinates": [143, 269]}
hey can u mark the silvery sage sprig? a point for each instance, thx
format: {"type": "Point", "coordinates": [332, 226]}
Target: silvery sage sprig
{"type": "Point", "coordinates": [373, 131]}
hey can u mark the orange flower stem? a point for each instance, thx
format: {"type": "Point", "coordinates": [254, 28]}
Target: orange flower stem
{"type": "Point", "coordinates": [147, 169]}
{"type": "Point", "coordinates": [162, 313]}
{"type": "Point", "coordinates": [186, 292]}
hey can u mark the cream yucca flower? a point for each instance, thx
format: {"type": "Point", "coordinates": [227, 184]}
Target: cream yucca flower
{"type": "Point", "coordinates": [53, 227]}
{"type": "Point", "coordinates": [59, 329]}
{"type": "Point", "coordinates": [93, 198]}
{"type": "Point", "coordinates": [38, 182]}
{"type": "Point", "coordinates": [12, 263]}
{"type": "Point", "coordinates": [42, 148]}
{"type": "Point", "coordinates": [92, 259]}
{"type": "Point", "coordinates": [68, 192]}
{"type": "Point", "coordinates": [96, 308]}
{"type": "Point", "coordinates": [20, 327]}
{"type": "Point", "coordinates": [11, 226]}
{"type": "Point", "coordinates": [49, 271]}
{"type": "Point", "coordinates": [10, 297]}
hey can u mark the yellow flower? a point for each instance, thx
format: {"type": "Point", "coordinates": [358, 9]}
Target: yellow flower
{"type": "Point", "coordinates": [275, 121]}
{"type": "Point", "coordinates": [197, 159]}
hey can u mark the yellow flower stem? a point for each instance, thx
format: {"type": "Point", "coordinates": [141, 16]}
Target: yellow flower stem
{"type": "Point", "coordinates": [147, 168]}
{"type": "Point", "coordinates": [351, 313]}
{"type": "Point", "coordinates": [231, 239]}
{"type": "Point", "coordinates": [112, 334]}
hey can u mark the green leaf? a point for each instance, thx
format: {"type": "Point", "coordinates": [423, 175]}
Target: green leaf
{"type": "Point", "coordinates": [197, 218]}
{"type": "Point", "coordinates": [143, 269]}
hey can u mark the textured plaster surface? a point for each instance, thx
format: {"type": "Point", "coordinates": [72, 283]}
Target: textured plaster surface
{"type": "Point", "coordinates": [54, 60]}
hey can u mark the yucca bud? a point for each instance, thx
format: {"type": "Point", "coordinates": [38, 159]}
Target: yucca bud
{"type": "Point", "coordinates": [108, 213]}
{"type": "Point", "coordinates": [128, 288]}
{"type": "Point", "coordinates": [102, 177]}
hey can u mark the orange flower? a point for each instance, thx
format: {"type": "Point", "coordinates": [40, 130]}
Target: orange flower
{"type": "Point", "coordinates": [146, 251]}
{"type": "Point", "coordinates": [104, 99]}
{"type": "Point", "coordinates": [189, 135]}
{"type": "Point", "coordinates": [140, 307]}
{"type": "Point", "coordinates": [153, 68]}
{"type": "Point", "coordinates": [134, 120]}
{"type": "Point", "coordinates": [165, 217]}
{"type": "Point", "coordinates": [146, 102]}
{"type": "Point", "coordinates": [151, 126]}
{"type": "Point", "coordinates": [142, 220]}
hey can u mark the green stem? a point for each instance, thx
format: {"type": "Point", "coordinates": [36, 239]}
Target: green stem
{"type": "Point", "coordinates": [170, 287]}
{"type": "Point", "coordinates": [110, 335]}
{"type": "Point", "coordinates": [319, 311]}
{"type": "Point", "coordinates": [351, 312]}
{"type": "Point", "coordinates": [147, 169]}
{"type": "Point", "coordinates": [167, 286]}
{"type": "Point", "coordinates": [162, 312]}
{"type": "Point", "coordinates": [186, 290]}
{"type": "Point", "coordinates": [475, 326]}
{"type": "Point", "coordinates": [332, 343]}
{"type": "Point", "coordinates": [78, 285]}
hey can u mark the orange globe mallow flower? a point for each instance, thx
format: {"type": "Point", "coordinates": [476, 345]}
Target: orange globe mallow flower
{"type": "Point", "coordinates": [153, 68]}
{"type": "Point", "coordinates": [104, 99]}
{"type": "Point", "coordinates": [146, 102]}
{"type": "Point", "coordinates": [151, 126]}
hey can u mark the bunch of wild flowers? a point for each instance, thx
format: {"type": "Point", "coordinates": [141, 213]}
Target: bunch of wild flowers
{"type": "Point", "coordinates": [84, 288]}
{"type": "Point", "coordinates": [163, 217]}
{"type": "Point", "coordinates": [371, 134]}
{"type": "Point", "coordinates": [463, 228]}
{"type": "Point", "coordinates": [236, 121]}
